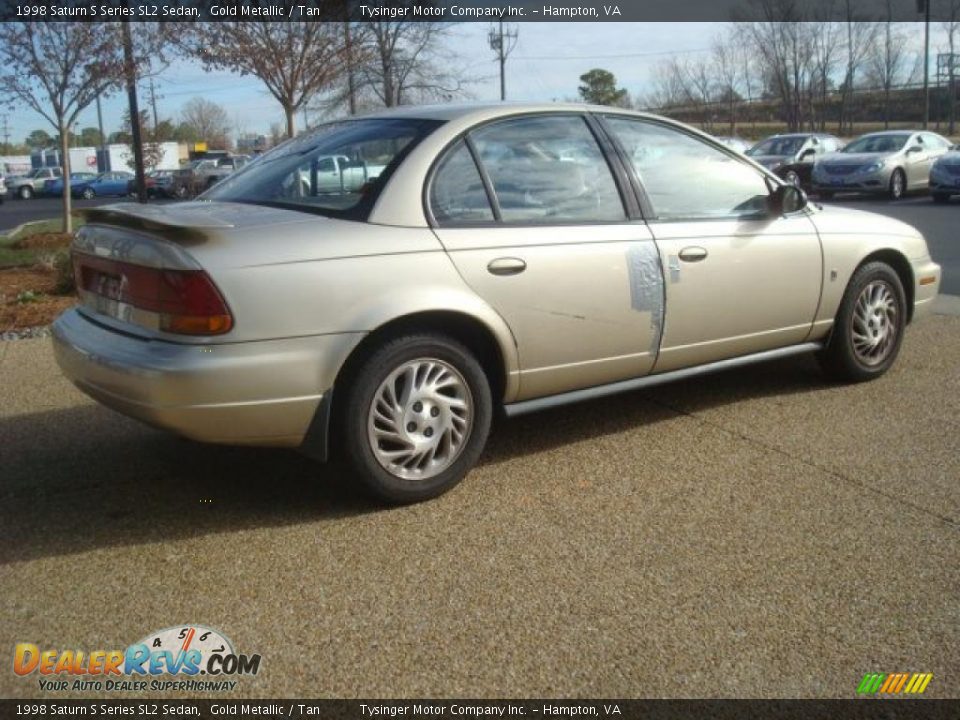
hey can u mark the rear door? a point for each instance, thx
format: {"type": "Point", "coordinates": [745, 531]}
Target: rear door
{"type": "Point", "coordinates": [738, 278]}
{"type": "Point", "coordinates": [534, 220]}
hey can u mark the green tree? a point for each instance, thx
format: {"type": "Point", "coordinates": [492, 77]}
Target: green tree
{"type": "Point", "coordinates": [599, 87]}
{"type": "Point", "coordinates": [38, 140]}
{"type": "Point", "coordinates": [90, 137]}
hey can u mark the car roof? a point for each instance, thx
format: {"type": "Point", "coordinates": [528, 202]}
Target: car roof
{"type": "Point", "coordinates": [485, 110]}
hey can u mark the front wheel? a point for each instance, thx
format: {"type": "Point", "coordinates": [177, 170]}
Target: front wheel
{"type": "Point", "coordinates": [868, 329]}
{"type": "Point", "coordinates": [88, 194]}
{"type": "Point", "coordinates": [898, 185]}
{"type": "Point", "coordinates": [26, 192]}
{"type": "Point", "coordinates": [792, 178]}
{"type": "Point", "coordinates": [416, 416]}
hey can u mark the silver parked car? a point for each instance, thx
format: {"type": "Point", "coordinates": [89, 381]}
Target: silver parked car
{"type": "Point", "coordinates": [890, 162]}
{"type": "Point", "coordinates": [512, 257]}
{"type": "Point", "coordinates": [945, 175]}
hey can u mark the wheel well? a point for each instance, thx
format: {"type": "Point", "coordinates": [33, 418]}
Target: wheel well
{"type": "Point", "coordinates": [465, 329]}
{"type": "Point", "coordinates": [902, 267]}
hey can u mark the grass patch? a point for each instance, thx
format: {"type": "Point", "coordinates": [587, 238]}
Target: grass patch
{"type": "Point", "coordinates": [16, 250]}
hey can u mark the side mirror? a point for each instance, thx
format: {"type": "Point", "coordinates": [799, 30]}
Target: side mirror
{"type": "Point", "coordinates": [914, 149]}
{"type": "Point", "coordinates": [786, 199]}
{"type": "Point", "coordinates": [808, 153]}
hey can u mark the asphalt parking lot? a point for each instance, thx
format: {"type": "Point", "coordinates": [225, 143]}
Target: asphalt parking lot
{"type": "Point", "coordinates": [754, 533]}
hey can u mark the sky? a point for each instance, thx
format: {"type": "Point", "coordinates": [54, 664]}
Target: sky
{"type": "Point", "coordinates": [544, 66]}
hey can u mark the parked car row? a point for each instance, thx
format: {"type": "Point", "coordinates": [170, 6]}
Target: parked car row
{"type": "Point", "coordinates": [890, 162]}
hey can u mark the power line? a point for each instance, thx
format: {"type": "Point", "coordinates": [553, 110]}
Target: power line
{"type": "Point", "coordinates": [611, 57]}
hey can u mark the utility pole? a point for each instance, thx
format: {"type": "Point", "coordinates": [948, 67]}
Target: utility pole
{"type": "Point", "coordinates": [153, 102]}
{"type": "Point", "coordinates": [926, 64]}
{"type": "Point", "coordinates": [351, 81]}
{"type": "Point", "coordinates": [502, 42]}
{"type": "Point", "coordinates": [130, 71]}
{"type": "Point", "coordinates": [6, 135]}
{"type": "Point", "coordinates": [103, 141]}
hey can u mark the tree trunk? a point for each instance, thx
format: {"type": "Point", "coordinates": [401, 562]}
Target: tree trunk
{"type": "Point", "coordinates": [65, 166]}
{"type": "Point", "coordinates": [289, 111]}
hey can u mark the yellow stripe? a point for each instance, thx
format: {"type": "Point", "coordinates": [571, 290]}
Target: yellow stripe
{"type": "Point", "coordinates": [926, 681]}
{"type": "Point", "coordinates": [913, 681]}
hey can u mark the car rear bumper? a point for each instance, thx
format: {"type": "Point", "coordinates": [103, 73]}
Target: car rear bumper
{"type": "Point", "coordinates": [253, 393]}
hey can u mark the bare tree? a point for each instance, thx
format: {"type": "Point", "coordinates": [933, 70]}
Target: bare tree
{"type": "Point", "coordinates": [951, 27]}
{"type": "Point", "coordinates": [860, 37]}
{"type": "Point", "coordinates": [728, 69]}
{"type": "Point", "coordinates": [295, 60]}
{"type": "Point", "coordinates": [405, 63]}
{"type": "Point", "coordinates": [886, 63]}
{"type": "Point", "coordinates": [209, 120]}
{"type": "Point", "coordinates": [57, 70]}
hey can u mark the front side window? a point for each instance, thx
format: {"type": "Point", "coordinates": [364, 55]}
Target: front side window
{"type": "Point", "coordinates": [878, 143]}
{"type": "Point", "coordinates": [457, 194]}
{"type": "Point", "coordinates": [548, 169]}
{"type": "Point", "coordinates": [684, 177]}
{"type": "Point", "coordinates": [290, 176]}
{"type": "Point", "coordinates": [777, 146]}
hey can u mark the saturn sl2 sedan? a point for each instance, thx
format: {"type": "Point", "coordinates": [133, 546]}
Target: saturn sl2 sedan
{"type": "Point", "coordinates": [501, 258]}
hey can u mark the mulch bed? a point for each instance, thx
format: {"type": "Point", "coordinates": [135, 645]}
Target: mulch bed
{"type": "Point", "coordinates": [44, 241]}
{"type": "Point", "coordinates": [15, 315]}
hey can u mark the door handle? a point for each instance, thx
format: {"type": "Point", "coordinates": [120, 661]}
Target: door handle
{"type": "Point", "coordinates": [506, 266]}
{"type": "Point", "coordinates": [693, 254]}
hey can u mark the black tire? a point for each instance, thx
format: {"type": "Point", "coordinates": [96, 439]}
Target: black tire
{"type": "Point", "coordinates": [88, 193]}
{"type": "Point", "coordinates": [356, 404]}
{"type": "Point", "coordinates": [941, 198]}
{"type": "Point", "coordinates": [840, 359]}
{"type": "Point", "coordinates": [25, 192]}
{"type": "Point", "coordinates": [825, 194]}
{"type": "Point", "coordinates": [792, 178]}
{"type": "Point", "coordinates": [898, 185]}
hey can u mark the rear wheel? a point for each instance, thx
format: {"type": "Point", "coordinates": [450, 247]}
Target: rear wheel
{"type": "Point", "coordinates": [792, 178]}
{"type": "Point", "coordinates": [88, 193]}
{"type": "Point", "coordinates": [868, 329]}
{"type": "Point", "coordinates": [416, 416]}
{"type": "Point", "coordinates": [26, 192]}
{"type": "Point", "coordinates": [898, 185]}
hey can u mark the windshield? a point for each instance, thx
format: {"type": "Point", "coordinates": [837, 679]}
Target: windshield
{"type": "Point", "coordinates": [337, 169]}
{"type": "Point", "coordinates": [777, 146]}
{"type": "Point", "coordinates": [877, 144]}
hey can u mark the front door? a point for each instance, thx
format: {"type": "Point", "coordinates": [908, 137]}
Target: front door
{"type": "Point", "coordinates": [738, 279]}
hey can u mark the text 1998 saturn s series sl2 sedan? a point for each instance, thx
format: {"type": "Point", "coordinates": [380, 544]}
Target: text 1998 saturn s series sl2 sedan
{"type": "Point", "coordinates": [463, 259]}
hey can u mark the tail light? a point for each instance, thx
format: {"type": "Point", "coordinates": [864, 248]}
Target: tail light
{"type": "Point", "coordinates": [185, 301]}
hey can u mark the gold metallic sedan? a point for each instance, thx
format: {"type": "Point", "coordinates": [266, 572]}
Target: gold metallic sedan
{"type": "Point", "coordinates": [380, 286]}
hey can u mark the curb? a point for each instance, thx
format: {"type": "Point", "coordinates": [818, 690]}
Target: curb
{"type": "Point", "coordinates": [946, 305]}
{"type": "Point", "coordinates": [13, 231]}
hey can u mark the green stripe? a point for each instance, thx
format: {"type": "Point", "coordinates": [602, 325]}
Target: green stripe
{"type": "Point", "coordinates": [865, 683]}
{"type": "Point", "coordinates": [880, 677]}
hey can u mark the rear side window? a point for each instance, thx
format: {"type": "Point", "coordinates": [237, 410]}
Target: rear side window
{"type": "Point", "coordinates": [548, 169]}
{"type": "Point", "coordinates": [457, 194]}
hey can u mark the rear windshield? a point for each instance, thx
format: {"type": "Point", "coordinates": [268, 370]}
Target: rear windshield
{"type": "Point", "coordinates": [337, 169]}
{"type": "Point", "coordinates": [777, 146]}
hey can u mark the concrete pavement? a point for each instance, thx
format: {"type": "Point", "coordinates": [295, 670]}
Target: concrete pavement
{"type": "Point", "coordinates": [755, 533]}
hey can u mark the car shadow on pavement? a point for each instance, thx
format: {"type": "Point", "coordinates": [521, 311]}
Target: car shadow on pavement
{"type": "Point", "coordinates": [83, 478]}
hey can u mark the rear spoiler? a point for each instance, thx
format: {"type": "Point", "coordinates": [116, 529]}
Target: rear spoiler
{"type": "Point", "coordinates": [181, 222]}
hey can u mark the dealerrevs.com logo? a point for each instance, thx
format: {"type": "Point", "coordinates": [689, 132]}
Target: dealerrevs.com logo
{"type": "Point", "coordinates": [187, 657]}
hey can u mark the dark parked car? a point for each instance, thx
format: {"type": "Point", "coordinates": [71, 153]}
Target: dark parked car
{"type": "Point", "coordinates": [159, 183]}
{"type": "Point", "coordinates": [792, 156]}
